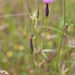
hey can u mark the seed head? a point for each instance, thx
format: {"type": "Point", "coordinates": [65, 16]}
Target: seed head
{"type": "Point", "coordinates": [34, 17]}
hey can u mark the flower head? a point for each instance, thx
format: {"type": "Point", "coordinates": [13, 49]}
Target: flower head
{"type": "Point", "coordinates": [47, 9]}
{"type": "Point", "coordinates": [47, 1]}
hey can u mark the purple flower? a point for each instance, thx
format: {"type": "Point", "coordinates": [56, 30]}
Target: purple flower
{"type": "Point", "coordinates": [47, 1]}
{"type": "Point", "coordinates": [47, 9]}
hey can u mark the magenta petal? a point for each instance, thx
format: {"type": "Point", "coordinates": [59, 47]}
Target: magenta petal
{"type": "Point", "coordinates": [47, 1]}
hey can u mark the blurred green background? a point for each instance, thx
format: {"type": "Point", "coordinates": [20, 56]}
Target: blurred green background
{"type": "Point", "coordinates": [16, 28]}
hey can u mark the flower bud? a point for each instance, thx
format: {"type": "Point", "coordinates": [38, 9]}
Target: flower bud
{"type": "Point", "coordinates": [38, 13]}
{"type": "Point", "coordinates": [47, 10]}
{"type": "Point", "coordinates": [31, 45]}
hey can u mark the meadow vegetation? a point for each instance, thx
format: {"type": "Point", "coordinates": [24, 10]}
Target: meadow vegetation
{"type": "Point", "coordinates": [18, 22]}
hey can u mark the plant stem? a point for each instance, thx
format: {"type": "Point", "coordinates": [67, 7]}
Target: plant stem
{"type": "Point", "coordinates": [52, 28]}
{"type": "Point", "coordinates": [35, 47]}
{"type": "Point", "coordinates": [60, 44]}
{"type": "Point", "coordinates": [45, 32]}
{"type": "Point", "coordinates": [46, 28]}
{"type": "Point", "coordinates": [32, 60]}
{"type": "Point", "coordinates": [35, 36]}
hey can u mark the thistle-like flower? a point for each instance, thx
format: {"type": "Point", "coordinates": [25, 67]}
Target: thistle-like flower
{"type": "Point", "coordinates": [47, 9]}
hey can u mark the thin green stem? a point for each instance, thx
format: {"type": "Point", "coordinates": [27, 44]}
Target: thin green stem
{"type": "Point", "coordinates": [32, 60]}
{"type": "Point", "coordinates": [46, 28]}
{"type": "Point", "coordinates": [35, 29]}
{"type": "Point", "coordinates": [52, 28]}
{"type": "Point", "coordinates": [45, 32]}
{"type": "Point", "coordinates": [35, 36]}
{"type": "Point", "coordinates": [60, 44]}
{"type": "Point", "coordinates": [36, 49]}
